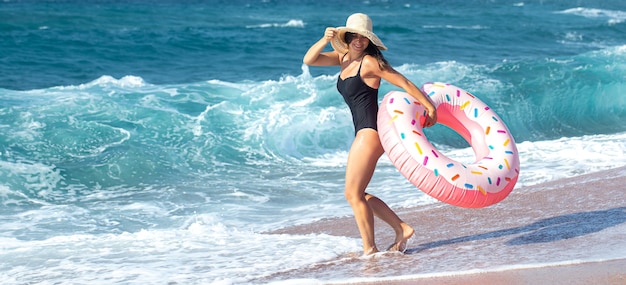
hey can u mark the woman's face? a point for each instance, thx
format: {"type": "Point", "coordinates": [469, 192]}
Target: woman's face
{"type": "Point", "coordinates": [357, 42]}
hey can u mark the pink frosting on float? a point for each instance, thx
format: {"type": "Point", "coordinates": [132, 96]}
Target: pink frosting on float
{"type": "Point", "coordinates": [487, 181]}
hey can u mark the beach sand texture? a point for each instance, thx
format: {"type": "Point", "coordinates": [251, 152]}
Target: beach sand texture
{"type": "Point", "coordinates": [568, 231]}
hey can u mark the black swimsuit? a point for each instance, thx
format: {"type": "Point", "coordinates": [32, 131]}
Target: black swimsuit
{"type": "Point", "coordinates": [362, 100]}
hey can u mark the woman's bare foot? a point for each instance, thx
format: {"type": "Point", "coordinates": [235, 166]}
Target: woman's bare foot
{"type": "Point", "coordinates": [402, 236]}
{"type": "Point", "coordinates": [370, 251]}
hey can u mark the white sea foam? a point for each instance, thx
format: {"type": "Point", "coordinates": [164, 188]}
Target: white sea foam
{"type": "Point", "coordinates": [455, 27]}
{"type": "Point", "coordinates": [541, 161]}
{"type": "Point", "coordinates": [293, 23]}
{"type": "Point", "coordinates": [544, 161]}
{"type": "Point", "coordinates": [613, 17]}
{"type": "Point", "coordinates": [128, 81]}
{"type": "Point", "coordinates": [205, 253]}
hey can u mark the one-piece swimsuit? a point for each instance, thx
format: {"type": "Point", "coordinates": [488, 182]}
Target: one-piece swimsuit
{"type": "Point", "coordinates": [361, 98]}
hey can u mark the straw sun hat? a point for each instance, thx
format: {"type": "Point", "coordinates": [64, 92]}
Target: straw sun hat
{"type": "Point", "coordinates": [359, 24]}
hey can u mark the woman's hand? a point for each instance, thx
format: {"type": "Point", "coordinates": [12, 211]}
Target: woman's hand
{"type": "Point", "coordinates": [330, 33]}
{"type": "Point", "coordinates": [431, 119]}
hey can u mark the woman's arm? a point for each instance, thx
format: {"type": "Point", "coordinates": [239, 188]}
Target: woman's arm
{"type": "Point", "coordinates": [314, 55]}
{"type": "Point", "coordinates": [394, 77]}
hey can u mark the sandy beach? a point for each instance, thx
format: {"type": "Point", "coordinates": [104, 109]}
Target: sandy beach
{"type": "Point", "coordinates": [568, 231]}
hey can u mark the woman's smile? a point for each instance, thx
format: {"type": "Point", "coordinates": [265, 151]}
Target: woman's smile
{"type": "Point", "coordinates": [359, 42]}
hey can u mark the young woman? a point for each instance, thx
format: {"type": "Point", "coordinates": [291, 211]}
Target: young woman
{"type": "Point", "coordinates": [357, 52]}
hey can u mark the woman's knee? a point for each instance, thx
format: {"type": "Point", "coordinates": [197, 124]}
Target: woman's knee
{"type": "Point", "coordinates": [354, 197]}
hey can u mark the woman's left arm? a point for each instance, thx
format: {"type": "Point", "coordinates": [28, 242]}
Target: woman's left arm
{"type": "Point", "coordinates": [394, 77]}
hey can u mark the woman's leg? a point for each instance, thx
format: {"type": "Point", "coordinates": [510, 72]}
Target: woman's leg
{"type": "Point", "coordinates": [364, 154]}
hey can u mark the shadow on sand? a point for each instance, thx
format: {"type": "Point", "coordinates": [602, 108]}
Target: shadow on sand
{"type": "Point", "coordinates": [546, 230]}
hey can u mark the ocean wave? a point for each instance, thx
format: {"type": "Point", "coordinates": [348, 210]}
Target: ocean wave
{"type": "Point", "coordinates": [293, 23]}
{"type": "Point", "coordinates": [456, 27]}
{"type": "Point", "coordinates": [541, 99]}
{"type": "Point", "coordinates": [131, 132]}
{"type": "Point", "coordinates": [613, 17]}
{"type": "Point", "coordinates": [128, 81]}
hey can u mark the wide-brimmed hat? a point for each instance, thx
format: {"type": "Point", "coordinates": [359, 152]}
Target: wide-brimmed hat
{"type": "Point", "coordinates": [358, 23]}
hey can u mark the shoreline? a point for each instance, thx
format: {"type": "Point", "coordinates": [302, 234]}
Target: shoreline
{"type": "Point", "coordinates": [558, 232]}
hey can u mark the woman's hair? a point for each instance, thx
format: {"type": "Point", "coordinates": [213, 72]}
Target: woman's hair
{"type": "Point", "coordinates": [371, 49]}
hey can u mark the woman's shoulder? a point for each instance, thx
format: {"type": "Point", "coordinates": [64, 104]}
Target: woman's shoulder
{"type": "Point", "coordinates": [367, 58]}
{"type": "Point", "coordinates": [370, 63]}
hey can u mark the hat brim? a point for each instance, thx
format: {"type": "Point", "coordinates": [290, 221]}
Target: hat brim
{"type": "Point", "coordinates": [341, 46]}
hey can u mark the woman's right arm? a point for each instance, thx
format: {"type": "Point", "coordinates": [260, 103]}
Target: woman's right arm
{"type": "Point", "coordinates": [314, 56]}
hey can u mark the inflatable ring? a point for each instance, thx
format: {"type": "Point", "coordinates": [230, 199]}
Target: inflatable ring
{"type": "Point", "coordinates": [485, 182]}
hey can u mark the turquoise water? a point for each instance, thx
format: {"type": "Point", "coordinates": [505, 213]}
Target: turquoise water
{"type": "Point", "coordinates": [150, 134]}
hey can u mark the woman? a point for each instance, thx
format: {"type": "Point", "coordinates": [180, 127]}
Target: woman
{"type": "Point", "coordinates": [357, 51]}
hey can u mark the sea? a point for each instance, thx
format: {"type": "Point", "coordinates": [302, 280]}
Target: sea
{"type": "Point", "coordinates": [160, 142]}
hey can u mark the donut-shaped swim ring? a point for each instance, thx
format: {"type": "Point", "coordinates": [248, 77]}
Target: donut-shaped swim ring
{"type": "Point", "coordinates": [485, 182]}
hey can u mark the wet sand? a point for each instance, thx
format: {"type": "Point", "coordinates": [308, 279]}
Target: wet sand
{"type": "Point", "coordinates": [569, 231]}
{"type": "Point", "coordinates": [597, 273]}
